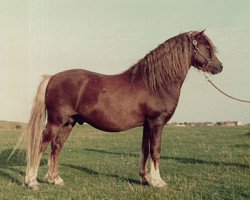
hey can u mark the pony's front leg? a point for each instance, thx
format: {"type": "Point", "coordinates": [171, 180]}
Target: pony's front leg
{"type": "Point", "coordinates": [155, 149]}
{"type": "Point", "coordinates": [143, 173]}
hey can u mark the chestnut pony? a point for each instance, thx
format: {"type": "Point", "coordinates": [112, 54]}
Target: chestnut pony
{"type": "Point", "coordinates": [144, 95]}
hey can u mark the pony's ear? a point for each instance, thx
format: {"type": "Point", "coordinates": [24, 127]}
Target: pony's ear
{"type": "Point", "coordinates": [201, 33]}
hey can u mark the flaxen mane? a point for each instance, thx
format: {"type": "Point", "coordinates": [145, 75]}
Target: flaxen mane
{"type": "Point", "coordinates": [168, 62]}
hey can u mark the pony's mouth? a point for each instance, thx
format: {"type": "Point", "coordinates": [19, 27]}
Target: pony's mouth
{"type": "Point", "coordinates": [215, 70]}
{"type": "Point", "coordinates": [211, 70]}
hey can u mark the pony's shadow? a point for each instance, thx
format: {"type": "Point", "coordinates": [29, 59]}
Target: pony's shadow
{"type": "Point", "coordinates": [178, 159]}
{"type": "Point", "coordinates": [17, 158]}
{"type": "Point", "coordinates": [247, 134]}
{"type": "Point", "coordinates": [96, 173]}
{"type": "Point", "coordinates": [10, 166]}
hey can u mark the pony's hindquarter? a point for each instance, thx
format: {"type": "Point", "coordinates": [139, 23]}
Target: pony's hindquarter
{"type": "Point", "coordinates": [32, 136]}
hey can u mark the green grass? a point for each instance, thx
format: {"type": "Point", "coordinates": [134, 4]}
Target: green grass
{"type": "Point", "coordinates": [196, 162]}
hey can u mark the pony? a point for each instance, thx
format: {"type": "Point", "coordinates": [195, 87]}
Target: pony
{"type": "Point", "coordinates": [145, 95]}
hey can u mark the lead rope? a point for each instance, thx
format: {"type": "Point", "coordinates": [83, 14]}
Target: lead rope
{"type": "Point", "coordinates": [245, 101]}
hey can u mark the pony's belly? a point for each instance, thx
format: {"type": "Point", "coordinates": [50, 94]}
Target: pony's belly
{"type": "Point", "coordinates": [113, 122]}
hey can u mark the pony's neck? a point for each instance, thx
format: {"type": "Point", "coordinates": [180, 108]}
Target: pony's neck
{"type": "Point", "coordinates": [164, 67]}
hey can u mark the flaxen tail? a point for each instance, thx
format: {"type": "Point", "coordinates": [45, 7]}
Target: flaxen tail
{"type": "Point", "coordinates": [32, 136]}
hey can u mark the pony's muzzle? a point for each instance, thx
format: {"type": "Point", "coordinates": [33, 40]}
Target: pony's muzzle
{"type": "Point", "coordinates": [217, 70]}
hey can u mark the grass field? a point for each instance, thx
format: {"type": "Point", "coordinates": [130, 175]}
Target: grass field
{"type": "Point", "coordinates": [196, 162]}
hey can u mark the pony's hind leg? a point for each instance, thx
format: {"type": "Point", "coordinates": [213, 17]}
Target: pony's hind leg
{"type": "Point", "coordinates": [56, 146]}
{"type": "Point", "coordinates": [32, 168]}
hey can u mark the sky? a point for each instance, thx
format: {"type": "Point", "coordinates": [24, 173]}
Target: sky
{"type": "Point", "coordinates": [49, 36]}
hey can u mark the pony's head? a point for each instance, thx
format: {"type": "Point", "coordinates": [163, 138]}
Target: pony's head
{"type": "Point", "coordinates": [203, 56]}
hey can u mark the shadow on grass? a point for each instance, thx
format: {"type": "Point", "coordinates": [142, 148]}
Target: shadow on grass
{"type": "Point", "coordinates": [178, 159]}
{"type": "Point", "coordinates": [17, 159]}
{"type": "Point", "coordinates": [241, 146]}
{"type": "Point", "coordinates": [10, 169]}
{"type": "Point", "coordinates": [247, 134]}
{"type": "Point", "coordinates": [95, 173]}
{"type": "Point", "coordinates": [9, 176]}
{"type": "Point", "coordinates": [200, 161]}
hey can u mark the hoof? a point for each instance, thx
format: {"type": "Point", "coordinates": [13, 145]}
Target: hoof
{"type": "Point", "coordinates": [34, 187]}
{"type": "Point", "coordinates": [158, 183]}
{"type": "Point", "coordinates": [145, 179]}
{"type": "Point", "coordinates": [57, 180]}
{"type": "Point", "coordinates": [148, 180]}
